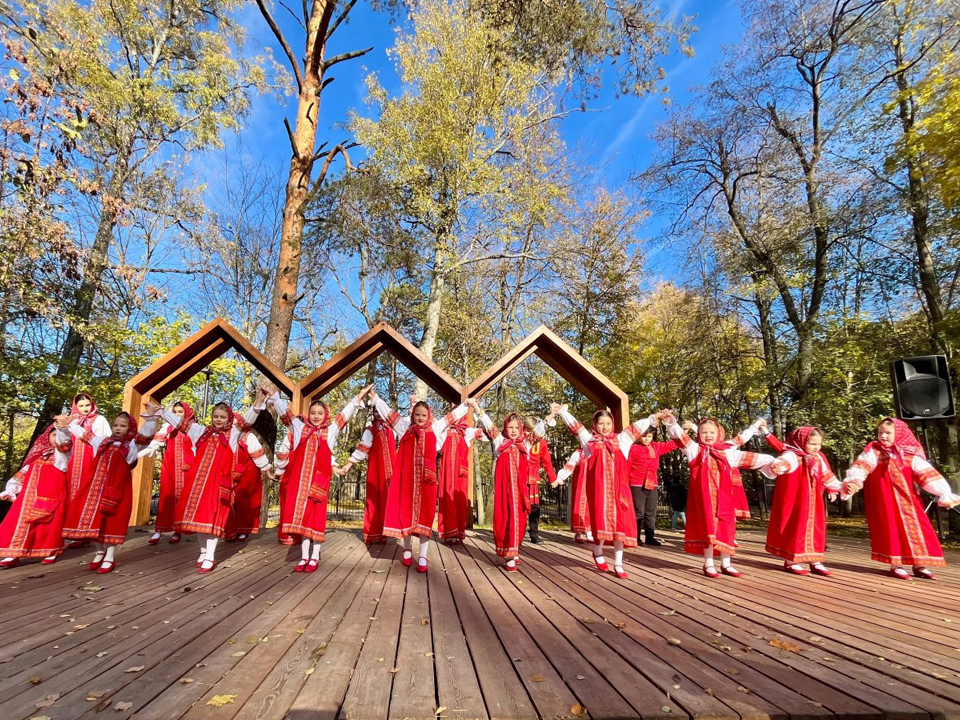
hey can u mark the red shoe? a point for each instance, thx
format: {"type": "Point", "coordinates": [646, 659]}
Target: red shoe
{"type": "Point", "coordinates": [312, 566]}
{"type": "Point", "coordinates": [424, 566]}
{"type": "Point", "coordinates": [301, 566]}
{"type": "Point", "coordinates": [511, 568]}
{"type": "Point", "coordinates": [107, 566]}
{"type": "Point", "coordinates": [922, 572]}
{"type": "Point", "coordinates": [11, 563]}
{"type": "Point", "coordinates": [729, 570]}
{"type": "Point", "coordinates": [174, 539]}
{"type": "Point", "coordinates": [620, 573]}
{"type": "Point", "coordinates": [76, 544]}
{"type": "Point", "coordinates": [95, 564]}
{"type": "Point", "coordinates": [578, 539]}
{"type": "Point", "coordinates": [795, 569]}
{"type": "Point", "coordinates": [710, 571]}
{"type": "Point", "coordinates": [407, 561]}
{"type": "Point", "coordinates": [202, 569]}
{"type": "Point", "coordinates": [154, 540]}
{"type": "Point", "coordinates": [899, 573]}
{"type": "Point", "coordinates": [48, 561]}
{"type": "Point", "coordinates": [518, 561]}
{"type": "Point", "coordinates": [601, 563]}
{"type": "Point", "coordinates": [821, 570]}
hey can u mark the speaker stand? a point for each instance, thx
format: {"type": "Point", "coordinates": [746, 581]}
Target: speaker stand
{"type": "Point", "coordinates": [932, 505]}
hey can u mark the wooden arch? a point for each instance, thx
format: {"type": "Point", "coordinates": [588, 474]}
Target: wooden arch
{"type": "Point", "coordinates": [175, 368]}
{"type": "Point", "coordinates": [380, 338]}
{"type": "Point", "coordinates": [567, 362]}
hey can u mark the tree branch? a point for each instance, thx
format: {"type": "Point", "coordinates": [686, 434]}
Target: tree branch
{"type": "Point", "coordinates": [283, 43]}
{"type": "Point", "coordinates": [340, 18]}
{"type": "Point", "coordinates": [327, 64]}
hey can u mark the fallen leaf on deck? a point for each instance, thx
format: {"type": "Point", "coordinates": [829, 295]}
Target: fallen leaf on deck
{"type": "Point", "coordinates": [40, 717]}
{"type": "Point", "coordinates": [251, 640]}
{"type": "Point", "coordinates": [620, 625]}
{"type": "Point", "coordinates": [439, 710]}
{"type": "Point", "coordinates": [428, 654]}
{"type": "Point", "coordinates": [220, 700]}
{"type": "Point", "coordinates": [35, 680]}
{"type": "Point", "coordinates": [47, 701]}
{"type": "Point", "coordinates": [580, 677]}
{"type": "Point", "coordinates": [102, 654]}
{"type": "Point", "coordinates": [742, 689]}
{"type": "Point", "coordinates": [120, 706]}
{"type": "Point", "coordinates": [786, 645]}
{"type": "Point", "coordinates": [238, 654]}
{"type": "Point", "coordinates": [425, 622]}
{"type": "Point", "coordinates": [393, 670]}
{"type": "Point", "coordinates": [709, 691]}
{"type": "Point", "coordinates": [308, 671]}
{"type": "Point", "coordinates": [666, 709]}
{"type": "Point", "coordinates": [318, 651]}
{"type": "Point", "coordinates": [670, 612]}
{"type": "Point", "coordinates": [673, 641]}
{"type": "Point", "coordinates": [136, 668]}
{"type": "Point", "coordinates": [815, 638]}
{"type": "Point", "coordinates": [538, 678]}
{"type": "Point", "coordinates": [588, 620]}
{"type": "Point", "coordinates": [91, 588]}
{"type": "Point", "coordinates": [96, 694]}
{"type": "Point", "coordinates": [578, 710]}
{"type": "Point", "coordinates": [186, 681]}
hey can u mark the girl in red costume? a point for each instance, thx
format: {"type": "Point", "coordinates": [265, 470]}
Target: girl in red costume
{"type": "Point", "coordinates": [204, 504]}
{"type": "Point", "coordinates": [378, 447]}
{"type": "Point", "coordinates": [249, 467]}
{"type": "Point", "coordinates": [33, 527]}
{"type": "Point", "coordinates": [579, 502]}
{"type": "Point", "coordinates": [103, 515]}
{"type": "Point", "coordinates": [177, 458]}
{"type": "Point", "coordinates": [80, 470]}
{"type": "Point", "coordinates": [606, 455]}
{"type": "Point", "coordinates": [711, 524]}
{"type": "Point", "coordinates": [412, 496]}
{"type": "Point", "coordinates": [511, 494]}
{"type": "Point", "coordinates": [305, 462]}
{"type": "Point", "coordinates": [798, 520]}
{"type": "Point", "coordinates": [888, 471]}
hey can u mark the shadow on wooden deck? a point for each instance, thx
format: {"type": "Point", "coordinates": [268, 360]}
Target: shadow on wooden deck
{"type": "Point", "coordinates": [364, 638]}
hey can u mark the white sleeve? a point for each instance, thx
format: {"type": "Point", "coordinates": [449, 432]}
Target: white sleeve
{"type": "Point", "coordinates": [492, 432]}
{"type": "Point", "coordinates": [343, 417]}
{"type": "Point", "coordinates": [688, 446]}
{"type": "Point", "coordinates": [789, 457]}
{"type": "Point", "coordinates": [363, 449]}
{"type": "Point", "coordinates": [865, 464]}
{"type": "Point", "coordinates": [15, 484]}
{"type": "Point", "coordinates": [62, 459]}
{"type": "Point", "coordinates": [101, 426]}
{"type": "Point", "coordinates": [282, 457]}
{"type": "Point", "coordinates": [747, 460]}
{"type": "Point", "coordinates": [933, 482]}
{"type": "Point", "coordinates": [398, 423]}
{"type": "Point", "coordinates": [257, 453]}
{"type": "Point", "coordinates": [576, 427]}
{"type": "Point", "coordinates": [632, 433]}
{"type": "Point", "coordinates": [451, 417]}
{"type": "Point", "coordinates": [569, 466]}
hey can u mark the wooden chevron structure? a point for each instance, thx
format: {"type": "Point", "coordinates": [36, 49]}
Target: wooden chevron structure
{"type": "Point", "coordinates": [161, 379]}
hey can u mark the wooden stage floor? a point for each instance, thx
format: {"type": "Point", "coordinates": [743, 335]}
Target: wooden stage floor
{"type": "Point", "coordinates": [366, 638]}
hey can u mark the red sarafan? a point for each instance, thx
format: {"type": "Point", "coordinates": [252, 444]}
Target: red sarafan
{"type": "Point", "coordinates": [889, 471]}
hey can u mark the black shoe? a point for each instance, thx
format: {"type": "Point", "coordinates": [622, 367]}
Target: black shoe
{"type": "Point", "coordinates": [536, 540]}
{"type": "Point", "coordinates": [653, 541]}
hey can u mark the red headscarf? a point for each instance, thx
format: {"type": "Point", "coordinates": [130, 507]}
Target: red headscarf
{"type": "Point", "coordinates": [86, 421]}
{"type": "Point", "coordinates": [797, 444]}
{"type": "Point", "coordinates": [41, 448]}
{"type": "Point", "coordinates": [113, 441]}
{"type": "Point", "coordinates": [905, 443]}
{"type": "Point", "coordinates": [309, 428]}
{"type": "Point", "coordinates": [188, 416]}
{"type": "Point", "coordinates": [519, 441]}
{"type": "Point", "coordinates": [418, 449]}
{"type": "Point", "coordinates": [714, 450]}
{"type": "Point", "coordinates": [210, 431]}
{"type": "Point", "coordinates": [609, 441]}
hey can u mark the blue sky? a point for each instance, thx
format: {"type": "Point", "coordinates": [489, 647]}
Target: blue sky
{"type": "Point", "coordinates": [614, 134]}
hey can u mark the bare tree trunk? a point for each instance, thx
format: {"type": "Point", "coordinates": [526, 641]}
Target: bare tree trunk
{"type": "Point", "coordinates": [83, 301]}
{"type": "Point", "coordinates": [431, 323]}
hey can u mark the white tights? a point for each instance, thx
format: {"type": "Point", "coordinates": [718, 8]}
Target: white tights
{"type": "Point", "coordinates": [208, 550]}
{"type": "Point", "coordinates": [424, 547]}
{"type": "Point", "coordinates": [105, 553]}
{"type": "Point", "coordinates": [617, 552]}
{"type": "Point", "coordinates": [310, 550]}
{"type": "Point", "coordinates": [708, 558]}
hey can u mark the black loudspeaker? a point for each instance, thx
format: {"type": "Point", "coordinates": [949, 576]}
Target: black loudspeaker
{"type": "Point", "coordinates": [922, 389]}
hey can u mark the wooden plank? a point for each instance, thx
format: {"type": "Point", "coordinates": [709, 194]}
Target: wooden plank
{"type": "Point", "coordinates": [223, 673]}
{"type": "Point", "coordinates": [368, 697]}
{"type": "Point", "coordinates": [457, 687]}
{"type": "Point", "coordinates": [324, 690]}
{"type": "Point", "coordinates": [139, 645]}
{"type": "Point", "coordinates": [414, 688]}
{"type": "Point", "coordinates": [504, 695]}
{"type": "Point", "coordinates": [644, 651]}
{"type": "Point", "coordinates": [282, 685]}
{"type": "Point", "coordinates": [546, 648]}
{"type": "Point", "coordinates": [608, 680]}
